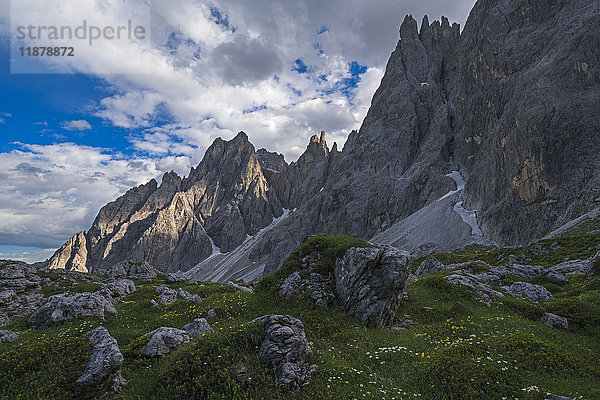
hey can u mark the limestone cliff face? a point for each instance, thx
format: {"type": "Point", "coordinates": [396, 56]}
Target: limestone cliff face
{"type": "Point", "coordinates": [171, 226]}
{"type": "Point", "coordinates": [523, 86]}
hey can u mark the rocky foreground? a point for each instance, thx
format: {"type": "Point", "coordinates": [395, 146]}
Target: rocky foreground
{"type": "Point", "coordinates": [342, 318]}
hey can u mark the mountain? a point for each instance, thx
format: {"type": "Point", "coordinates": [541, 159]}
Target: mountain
{"type": "Point", "coordinates": [490, 135]}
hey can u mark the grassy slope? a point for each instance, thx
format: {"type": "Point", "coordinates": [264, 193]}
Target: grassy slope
{"type": "Point", "coordinates": [468, 352]}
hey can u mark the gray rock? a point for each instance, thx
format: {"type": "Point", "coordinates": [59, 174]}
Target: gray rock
{"type": "Point", "coordinates": [117, 288]}
{"type": "Point", "coordinates": [316, 285]}
{"type": "Point", "coordinates": [574, 267]}
{"type": "Point", "coordinates": [59, 308]}
{"type": "Point", "coordinates": [20, 290]}
{"type": "Point", "coordinates": [556, 277]}
{"type": "Point", "coordinates": [198, 328]}
{"type": "Point", "coordinates": [482, 292]}
{"type": "Point", "coordinates": [130, 270]}
{"type": "Point", "coordinates": [241, 372]}
{"type": "Point", "coordinates": [176, 277]}
{"type": "Point", "coordinates": [555, 321]}
{"type": "Point", "coordinates": [430, 266]}
{"type": "Point", "coordinates": [370, 282]}
{"type": "Point", "coordinates": [525, 271]}
{"type": "Point", "coordinates": [240, 287]}
{"type": "Point", "coordinates": [291, 285]}
{"type": "Point", "coordinates": [102, 376]}
{"type": "Point", "coordinates": [8, 336]}
{"type": "Point", "coordinates": [163, 340]}
{"type": "Point", "coordinates": [285, 346]}
{"type": "Point", "coordinates": [529, 291]}
{"type": "Point", "coordinates": [193, 298]}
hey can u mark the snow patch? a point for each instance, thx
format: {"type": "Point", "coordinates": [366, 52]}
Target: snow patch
{"type": "Point", "coordinates": [469, 218]}
{"type": "Point", "coordinates": [215, 250]}
{"type": "Point", "coordinates": [460, 184]}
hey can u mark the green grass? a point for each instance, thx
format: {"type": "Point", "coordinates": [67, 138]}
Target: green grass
{"type": "Point", "coordinates": [459, 349]}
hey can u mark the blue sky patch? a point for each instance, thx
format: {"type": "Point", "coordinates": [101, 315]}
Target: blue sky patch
{"type": "Point", "coordinates": [299, 66]}
{"type": "Point", "coordinates": [323, 29]}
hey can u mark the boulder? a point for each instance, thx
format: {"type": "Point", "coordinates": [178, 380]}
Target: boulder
{"type": "Point", "coordinates": [370, 282]}
{"type": "Point", "coordinates": [102, 376]}
{"type": "Point", "coordinates": [176, 277]}
{"type": "Point", "coordinates": [20, 290]}
{"type": "Point", "coordinates": [117, 288]}
{"type": "Point", "coordinates": [167, 295]}
{"type": "Point", "coordinates": [483, 292]}
{"type": "Point", "coordinates": [525, 271]}
{"type": "Point", "coordinates": [284, 346]}
{"type": "Point", "coordinates": [8, 336]}
{"type": "Point", "coordinates": [556, 277]}
{"type": "Point", "coordinates": [198, 328]}
{"type": "Point", "coordinates": [430, 266]}
{"type": "Point", "coordinates": [59, 308]}
{"type": "Point", "coordinates": [574, 267]}
{"type": "Point", "coordinates": [240, 287]}
{"type": "Point", "coordinates": [192, 298]}
{"type": "Point", "coordinates": [163, 340]}
{"type": "Point", "coordinates": [316, 285]}
{"type": "Point", "coordinates": [528, 291]}
{"type": "Point", "coordinates": [555, 321]}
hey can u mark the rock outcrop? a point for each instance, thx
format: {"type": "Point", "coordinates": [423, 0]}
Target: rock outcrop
{"type": "Point", "coordinates": [8, 336]}
{"type": "Point", "coordinates": [370, 282]}
{"type": "Point", "coordinates": [164, 340]}
{"type": "Point", "coordinates": [529, 291]}
{"type": "Point", "coordinates": [59, 308]}
{"type": "Point", "coordinates": [367, 282]}
{"type": "Point", "coordinates": [168, 295]}
{"type": "Point", "coordinates": [285, 347]}
{"type": "Point", "coordinates": [115, 289]}
{"type": "Point", "coordinates": [20, 290]}
{"type": "Point", "coordinates": [141, 270]}
{"type": "Point", "coordinates": [102, 377]}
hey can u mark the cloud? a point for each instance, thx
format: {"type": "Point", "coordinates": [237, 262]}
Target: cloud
{"type": "Point", "coordinates": [50, 192]}
{"type": "Point", "coordinates": [3, 116]}
{"type": "Point", "coordinates": [77, 125]}
{"type": "Point", "coordinates": [42, 123]}
{"type": "Point", "coordinates": [30, 256]}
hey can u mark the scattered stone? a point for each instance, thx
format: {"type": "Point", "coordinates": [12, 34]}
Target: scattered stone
{"type": "Point", "coordinates": [115, 289]}
{"type": "Point", "coordinates": [555, 321]}
{"type": "Point", "coordinates": [528, 291]}
{"type": "Point", "coordinates": [163, 340]}
{"type": "Point", "coordinates": [556, 277]}
{"type": "Point", "coordinates": [551, 396]}
{"type": "Point", "coordinates": [575, 267]}
{"type": "Point", "coordinates": [428, 308]}
{"type": "Point", "coordinates": [483, 292]}
{"type": "Point", "coordinates": [59, 308]}
{"type": "Point", "coordinates": [370, 282]}
{"type": "Point", "coordinates": [102, 376]}
{"type": "Point", "coordinates": [285, 346]}
{"type": "Point", "coordinates": [524, 271]}
{"type": "Point", "coordinates": [168, 295]}
{"type": "Point", "coordinates": [291, 285]}
{"type": "Point", "coordinates": [154, 303]}
{"type": "Point", "coordinates": [240, 287]}
{"type": "Point", "coordinates": [8, 336]}
{"type": "Point", "coordinates": [198, 328]}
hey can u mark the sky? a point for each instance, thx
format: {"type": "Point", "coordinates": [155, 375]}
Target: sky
{"type": "Point", "coordinates": [77, 132]}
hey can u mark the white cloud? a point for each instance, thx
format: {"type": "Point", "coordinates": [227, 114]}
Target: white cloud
{"type": "Point", "coordinates": [3, 116]}
{"type": "Point", "coordinates": [51, 192]}
{"type": "Point", "coordinates": [76, 125]}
